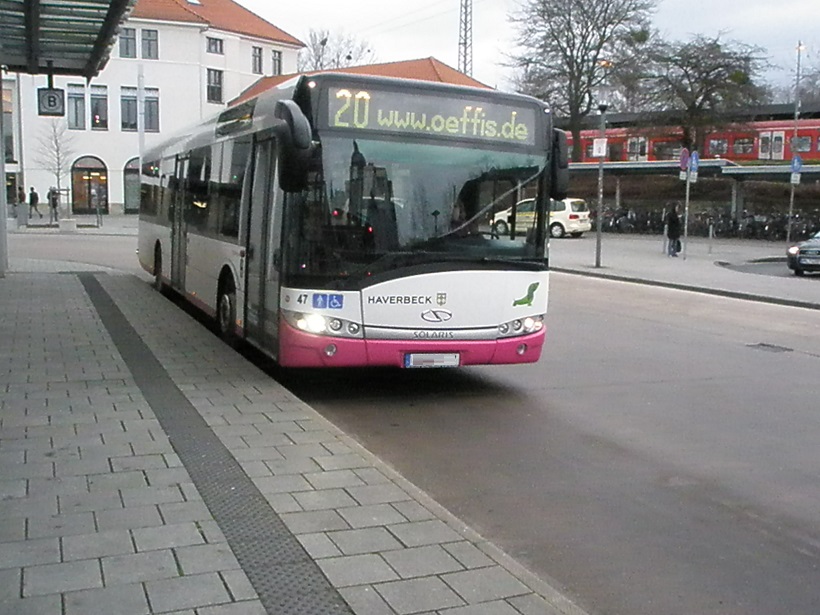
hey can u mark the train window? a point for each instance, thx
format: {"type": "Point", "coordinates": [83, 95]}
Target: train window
{"type": "Point", "coordinates": [743, 145]}
{"type": "Point", "coordinates": [718, 147]}
{"type": "Point", "coordinates": [801, 144]}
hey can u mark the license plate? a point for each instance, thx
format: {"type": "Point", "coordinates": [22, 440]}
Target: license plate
{"type": "Point", "coordinates": [431, 359]}
{"type": "Point", "coordinates": [809, 261]}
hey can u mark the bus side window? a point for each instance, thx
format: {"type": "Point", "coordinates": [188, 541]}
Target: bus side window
{"type": "Point", "coordinates": [197, 208]}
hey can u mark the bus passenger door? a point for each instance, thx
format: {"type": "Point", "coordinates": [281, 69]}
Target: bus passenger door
{"type": "Point", "coordinates": [262, 282]}
{"type": "Point", "coordinates": [179, 232]}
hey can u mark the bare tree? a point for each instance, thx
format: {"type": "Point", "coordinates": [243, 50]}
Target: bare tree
{"type": "Point", "coordinates": [568, 47]}
{"type": "Point", "coordinates": [336, 50]}
{"type": "Point", "coordinates": [54, 150]}
{"type": "Point", "coordinates": [705, 81]}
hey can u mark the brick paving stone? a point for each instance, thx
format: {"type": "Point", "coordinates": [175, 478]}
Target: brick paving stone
{"type": "Point", "coordinates": [167, 536]}
{"type": "Point", "coordinates": [485, 584]}
{"type": "Point", "coordinates": [179, 512]}
{"type": "Point", "coordinates": [370, 540]}
{"type": "Point", "coordinates": [422, 533]}
{"type": "Point", "coordinates": [58, 578]}
{"type": "Point", "coordinates": [94, 502]}
{"type": "Point", "coordinates": [30, 552]}
{"type": "Point", "coordinates": [356, 570]}
{"type": "Point", "coordinates": [10, 582]}
{"type": "Point", "coordinates": [123, 599]}
{"type": "Point", "coordinates": [468, 554]}
{"type": "Point", "coordinates": [195, 591]}
{"type": "Point", "coordinates": [324, 499]}
{"type": "Point", "coordinates": [238, 584]}
{"type": "Point", "coordinates": [365, 600]}
{"type": "Point", "coordinates": [378, 494]}
{"type": "Point", "coordinates": [370, 516]}
{"type": "Point", "coordinates": [496, 607]}
{"type": "Point", "coordinates": [151, 495]}
{"type": "Point", "coordinates": [206, 558]}
{"type": "Point", "coordinates": [97, 545]}
{"type": "Point", "coordinates": [139, 567]}
{"type": "Point", "coordinates": [129, 518]}
{"type": "Point", "coordinates": [319, 545]}
{"type": "Point", "coordinates": [60, 525]}
{"type": "Point", "coordinates": [418, 595]}
{"type": "Point", "coordinates": [37, 605]}
{"type": "Point", "coordinates": [413, 511]}
{"type": "Point", "coordinates": [331, 480]}
{"type": "Point", "coordinates": [314, 521]}
{"type": "Point", "coordinates": [421, 561]}
{"type": "Point", "coordinates": [117, 481]}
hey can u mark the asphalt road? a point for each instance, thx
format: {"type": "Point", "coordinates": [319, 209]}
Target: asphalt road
{"type": "Point", "coordinates": [661, 457]}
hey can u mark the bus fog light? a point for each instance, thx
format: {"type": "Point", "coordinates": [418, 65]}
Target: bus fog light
{"type": "Point", "coordinates": [352, 328]}
{"type": "Point", "coordinates": [330, 350]}
{"type": "Point", "coordinates": [517, 325]}
{"type": "Point", "coordinates": [522, 348]}
{"type": "Point", "coordinates": [335, 325]}
{"type": "Point", "coordinates": [504, 328]}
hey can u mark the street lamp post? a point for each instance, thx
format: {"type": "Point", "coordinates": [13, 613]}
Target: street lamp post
{"type": "Point", "coordinates": [599, 215]}
{"type": "Point", "coordinates": [794, 139]}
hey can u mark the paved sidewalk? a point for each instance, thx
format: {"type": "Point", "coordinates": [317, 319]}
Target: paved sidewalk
{"type": "Point", "coordinates": [146, 468]}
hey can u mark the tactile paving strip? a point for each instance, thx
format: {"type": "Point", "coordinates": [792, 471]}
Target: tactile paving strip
{"type": "Point", "coordinates": [284, 576]}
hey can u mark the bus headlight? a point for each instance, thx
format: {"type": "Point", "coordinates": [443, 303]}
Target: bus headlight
{"type": "Point", "coordinates": [317, 324]}
{"type": "Point", "coordinates": [521, 326]}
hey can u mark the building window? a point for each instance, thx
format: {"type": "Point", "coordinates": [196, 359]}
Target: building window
{"type": "Point", "coordinates": [256, 60]}
{"type": "Point", "coordinates": [214, 85]}
{"type": "Point", "coordinates": [151, 110]}
{"type": "Point", "coordinates": [128, 43]}
{"type": "Point", "coordinates": [99, 107]}
{"type": "Point", "coordinates": [215, 45]}
{"type": "Point", "coordinates": [128, 108]}
{"type": "Point", "coordinates": [150, 44]}
{"type": "Point", "coordinates": [8, 133]}
{"type": "Point", "coordinates": [76, 107]}
{"type": "Point", "coordinates": [276, 69]}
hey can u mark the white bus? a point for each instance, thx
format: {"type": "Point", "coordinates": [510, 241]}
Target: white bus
{"type": "Point", "coordinates": [345, 220]}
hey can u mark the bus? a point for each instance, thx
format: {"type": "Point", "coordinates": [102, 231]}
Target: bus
{"type": "Point", "coordinates": [344, 220]}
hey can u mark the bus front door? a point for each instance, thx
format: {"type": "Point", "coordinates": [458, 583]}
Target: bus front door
{"type": "Point", "coordinates": [263, 235]}
{"type": "Point", "coordinates": [179, 232]}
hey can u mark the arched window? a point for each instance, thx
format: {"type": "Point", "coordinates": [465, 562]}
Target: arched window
{"type": "Point", "coordinates": [89, 186]}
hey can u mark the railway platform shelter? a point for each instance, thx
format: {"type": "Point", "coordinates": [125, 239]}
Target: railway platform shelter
{"type": "Point", "coordinates": [57, 37]}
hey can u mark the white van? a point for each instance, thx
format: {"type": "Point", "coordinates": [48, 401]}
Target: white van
{"type": "Point", "coordinates": [567, 217]}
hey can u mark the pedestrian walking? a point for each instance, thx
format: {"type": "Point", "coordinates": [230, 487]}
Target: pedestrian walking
{"type": "Point", "coordinates": [33, 201]}
{"type": "Point", "coordinates": [53, 204]}
{"type": "Point", "coordinates": [673, 230]}
{"type": "Point", "coordinates": [21, 195]}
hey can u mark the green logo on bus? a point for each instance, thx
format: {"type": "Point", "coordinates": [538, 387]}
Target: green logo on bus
{"type": "Point", "coordinates": [527, 299]}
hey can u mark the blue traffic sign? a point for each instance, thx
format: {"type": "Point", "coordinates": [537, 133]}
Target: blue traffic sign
{"type": "Point", "coordinates": [694, 162]}
{"type": "Point", "coordinates": [797, 163]}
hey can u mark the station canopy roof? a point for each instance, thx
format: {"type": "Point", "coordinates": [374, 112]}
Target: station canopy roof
{"type": "Point", "coordinates": [61, 37]}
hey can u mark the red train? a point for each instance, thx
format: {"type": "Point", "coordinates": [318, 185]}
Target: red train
{"type": "Point", "coordinates": [758, 137]}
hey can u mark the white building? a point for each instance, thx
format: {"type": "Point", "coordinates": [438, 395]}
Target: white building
{"type": "Point", "coordinates": [187, 57]}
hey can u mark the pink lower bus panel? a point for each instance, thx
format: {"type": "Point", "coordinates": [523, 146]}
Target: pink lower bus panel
{"type": "Point", "coordinates": [300, 349]}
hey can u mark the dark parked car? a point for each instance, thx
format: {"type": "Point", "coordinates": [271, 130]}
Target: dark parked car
{"type": "Point", "coordinates": [805, 256]}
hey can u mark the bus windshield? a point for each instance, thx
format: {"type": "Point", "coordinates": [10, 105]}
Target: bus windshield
{"type": "Point", "coordinates": [377, 206]}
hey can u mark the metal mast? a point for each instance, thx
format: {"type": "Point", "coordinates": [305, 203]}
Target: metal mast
{"type": "Point", "coordinates": [465, 38]}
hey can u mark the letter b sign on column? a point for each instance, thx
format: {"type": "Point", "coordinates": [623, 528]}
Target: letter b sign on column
{"type": "Point", "coordinates": [51, 101]}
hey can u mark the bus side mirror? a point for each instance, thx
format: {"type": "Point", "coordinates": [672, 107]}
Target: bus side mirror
{"type": "Point", "coordinates": [559, 171]}
{"type": "Point", "coordinates": [295, 146]}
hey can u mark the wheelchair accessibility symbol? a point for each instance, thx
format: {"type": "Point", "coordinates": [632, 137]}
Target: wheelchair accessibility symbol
{"type": "Point", "coordinates": [328, 302]}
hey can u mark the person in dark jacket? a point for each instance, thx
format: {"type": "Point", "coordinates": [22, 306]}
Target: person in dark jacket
{"type": "Point", "coordinates": [33, 200]}
{"type": "Point", "coordinates": [673, 230]}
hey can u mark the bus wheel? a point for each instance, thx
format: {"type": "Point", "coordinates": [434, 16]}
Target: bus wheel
{"type": "Point", "coordinates": [158, 285]}
{"type": "Point", "coordinates": [226, 313]}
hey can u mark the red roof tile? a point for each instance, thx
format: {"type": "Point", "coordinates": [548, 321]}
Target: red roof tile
{"type": "Point", "coordinates": [222, 14]}
{"type": "Point", "coordinates": [423, 69]}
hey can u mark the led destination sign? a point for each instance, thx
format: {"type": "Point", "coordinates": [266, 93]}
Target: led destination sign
{"type": "Point", "coordinates": [457, 118]}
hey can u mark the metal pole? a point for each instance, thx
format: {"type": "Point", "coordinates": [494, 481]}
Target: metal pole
{"type": "Point", "coordinates": [599, 216]}
{"type": "Point", "coordinates": [686, 209]}
{"type": "Point", "coordinates": [4, 210]}
{"type": "Point", "coordinates": [794, 139]}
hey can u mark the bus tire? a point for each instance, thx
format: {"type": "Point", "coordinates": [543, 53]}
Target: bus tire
{"type": "Point", "coordinates": [226, 312]}
{"type": "Point", "coordinates": [158, 284]}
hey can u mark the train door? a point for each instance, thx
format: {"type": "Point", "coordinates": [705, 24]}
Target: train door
{"type": "Point", "coordinates": [179, 232]}
{"type": "Point", "coordinates": [771, 145]}
{"type": "Point", "coordinates": [636, 149]}
{"type": "Point", "coordinates": [262, 240]}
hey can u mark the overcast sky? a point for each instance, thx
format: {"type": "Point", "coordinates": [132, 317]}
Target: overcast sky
{"type": "Point", "coordinates": [402, 30]}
